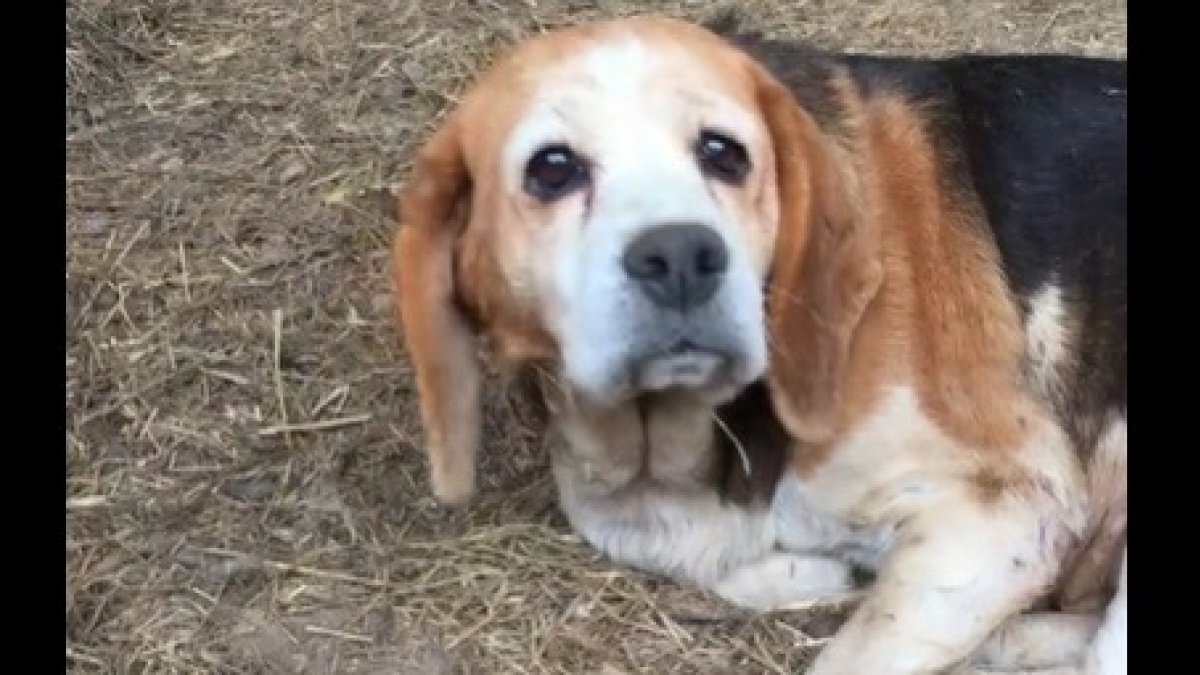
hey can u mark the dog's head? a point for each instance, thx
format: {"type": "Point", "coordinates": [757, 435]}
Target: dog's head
{"type": "Point", "coordinates": [609, 198]}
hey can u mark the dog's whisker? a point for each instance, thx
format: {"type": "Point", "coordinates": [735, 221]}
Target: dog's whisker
{"type": "Point", "coordinates": [733, 439]}
{"type": "Point", "coordinates": [775, 289]}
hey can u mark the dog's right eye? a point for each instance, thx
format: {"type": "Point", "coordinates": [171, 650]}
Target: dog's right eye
{"type": "Point", "coordinates": [554, 172]}
{"type": "Point", "coordinates": [722, 157]}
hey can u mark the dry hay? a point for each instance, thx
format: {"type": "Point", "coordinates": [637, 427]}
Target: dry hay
{"type": "Point", "coordinates": [245, 491]}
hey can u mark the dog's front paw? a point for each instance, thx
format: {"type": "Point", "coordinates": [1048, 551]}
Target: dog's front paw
{"type": "Point", "coordinates": [781, 580]}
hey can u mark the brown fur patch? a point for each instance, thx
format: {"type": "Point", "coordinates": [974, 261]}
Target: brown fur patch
{"type": "Point", "coordinates": [963, 327]}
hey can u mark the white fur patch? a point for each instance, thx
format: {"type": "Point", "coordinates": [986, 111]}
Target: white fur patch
{"type": "Point", "coordinates": [1048, 336]}
{"type": "Point", "coordinates": [895, 462]}
{"type": "Point", "coordinates": [781, 581]}
{"type": "Point", "coordinates": [660, 514]}
{"type": "Point", "coordinates": [679, 370]}
{"type": "Point", "coordinates": [1037, 641]}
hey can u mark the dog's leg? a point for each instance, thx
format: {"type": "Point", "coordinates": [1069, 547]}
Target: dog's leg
{"type": "Point", "coordinates": [1059, 644]}
{"type": "Point", "coordinates": [782, 580]}
{"type": "Point", "coordinates": [953, 575]}
{"type": "Point", "coordinates": [1043, 643]}
{"type": "Point", "coordinates": [1052, 670]}
{"type": "Point", "coordinates": [1107, 654]}
{"type": "Point", "coordinates": [1036, 641]}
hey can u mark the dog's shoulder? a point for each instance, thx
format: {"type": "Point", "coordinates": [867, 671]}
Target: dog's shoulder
{"type": "Point", "coordinates": [1032, 150]}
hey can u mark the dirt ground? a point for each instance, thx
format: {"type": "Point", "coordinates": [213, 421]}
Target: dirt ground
{"type": "Point", "coordinates": [245, 488]}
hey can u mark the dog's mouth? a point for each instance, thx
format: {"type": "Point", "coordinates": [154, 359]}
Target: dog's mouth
{"type": "Point", "coordinates": [714, 368]}
{"type": "Point", "coordinates": [683, 365]}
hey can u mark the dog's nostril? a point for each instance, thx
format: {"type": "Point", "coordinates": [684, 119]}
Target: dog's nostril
{"type": "Point", "coordinates": [647, 264]}
{"type": "Point", "coordinates": [678, 266]}
{"type": "Point", "coordinates": [656, 265]}
{"type": "Point", "coordinates": [712, 259]}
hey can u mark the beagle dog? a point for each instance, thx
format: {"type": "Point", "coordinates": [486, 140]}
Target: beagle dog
{"type": "Point", "coordinates": [796, 313]}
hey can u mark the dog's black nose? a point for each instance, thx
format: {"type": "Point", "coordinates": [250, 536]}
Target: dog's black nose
{"type": "Point", "coordinates": [678, 266]}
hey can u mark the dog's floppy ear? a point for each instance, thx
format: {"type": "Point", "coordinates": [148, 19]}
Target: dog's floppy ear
{"type": "Point", "coordinates": [826, 268]}
{"type": "Point", "coordinates": [439, 341]}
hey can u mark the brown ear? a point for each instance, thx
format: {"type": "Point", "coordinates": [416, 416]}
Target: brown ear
{"type": "Point", "coordinates": [439, 341]}
{"type": "Point", "coordinates": [826, 269]}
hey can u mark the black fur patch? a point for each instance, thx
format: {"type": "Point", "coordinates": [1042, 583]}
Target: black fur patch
{"type": "Point", "coordinates": [766, 445]}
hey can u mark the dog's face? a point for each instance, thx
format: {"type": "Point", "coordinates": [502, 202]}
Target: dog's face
{"type": "Point", "coordinates": [609, 198]}
{"type": "Point", "coordinates": [632, 213]}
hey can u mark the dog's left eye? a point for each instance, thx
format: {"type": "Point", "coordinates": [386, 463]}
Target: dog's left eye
{"type": "Point", "coordinates": [722, 157]}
